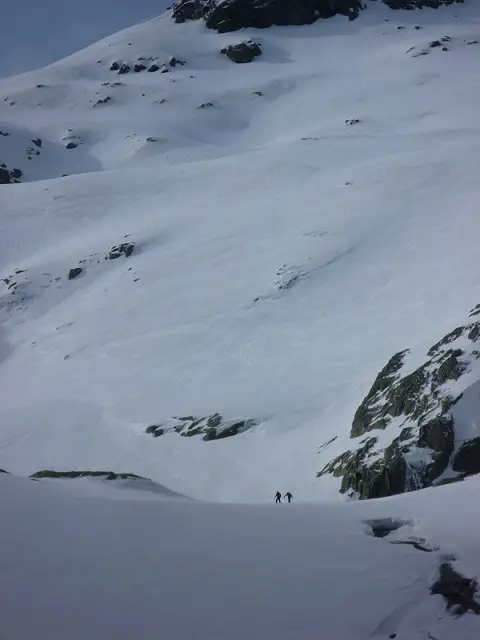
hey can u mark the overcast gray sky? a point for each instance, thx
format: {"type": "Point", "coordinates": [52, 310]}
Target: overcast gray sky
{"type": "Point", "coordinates": [34, 33]}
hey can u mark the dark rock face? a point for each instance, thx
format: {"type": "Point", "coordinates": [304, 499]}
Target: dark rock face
{"type": "Point", "coordinates": [231, 15]}
{"type": "Point", "coordinates": [124, 249]}
{"type": "Point", "coordinates": [418, 407]}
{"type": "Point", "coordinates": [139, 66]}
{"type": "Point", "coordinates": [242, 52]}
{"type": "Point", "coordinates": [153, 67]}
{"type": "Point", "coordinates": [107, 475]}
{"type": "Point", "coordinates": [417, 4]}
{"type": "Point", "coordinates": [214, 427]}
{"type": "Point", "coordinates": [438, 436]}
{"type": "Point", "coordinates": [124, 68]}
{"type": "Point", "coordinates": [184, 10]}
{"type": "Point", "coordinates": [237, 14]}
{"type": "Point", "coordinates": [9, 176]}
{"type": "Point", "coordinates": [4, 176]}
{"type": "Point", "coordinates": [458, 591]}
{"type": "Point", "coordinates": [71, 145]}
{"type": "Point", "coordinates": [467, 460]}
{"type": "Point", "coordinates": [74, 273]}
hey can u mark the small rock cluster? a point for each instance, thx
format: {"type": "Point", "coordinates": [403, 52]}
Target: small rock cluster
{"type": "Point", "coordinates": [213, 427]}
{"type": "Point", "coordinates": [145, 64]}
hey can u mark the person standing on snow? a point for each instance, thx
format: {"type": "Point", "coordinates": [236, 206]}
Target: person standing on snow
{"type": "Point", "coordinates": [288, 496]}
{"type": "Point", "coordinates": [278, 497]}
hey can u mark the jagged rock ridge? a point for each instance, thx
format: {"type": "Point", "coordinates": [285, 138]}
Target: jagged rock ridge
{"type": "Point", "coordinates": [231, 15]}
{"type": "Point", "coordinates": [417, 407]}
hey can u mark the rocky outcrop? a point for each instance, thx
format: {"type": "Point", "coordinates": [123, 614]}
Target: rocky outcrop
{"type": "Point", "coordinates": [417, 408]}
{"type": "Point", "coordinates": [106, 475]}
{"type": "Point", "coordinates": [242, 52]}
{"type": "Point", "coordinates": [9, 176]}
{"type": "Point", "coordinates": [417, 4]}
{"type": "Point", "coordinates": [125, 249]}
{"type": "Point", "coordinates": [232, 15]}
{"type": "Point", "coordinates": [467, 458]}
{"type": "Point", "coordinates": [213, 427]}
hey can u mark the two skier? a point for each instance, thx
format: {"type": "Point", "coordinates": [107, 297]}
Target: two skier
{"type": "Point", "coordinates": [278, 497]}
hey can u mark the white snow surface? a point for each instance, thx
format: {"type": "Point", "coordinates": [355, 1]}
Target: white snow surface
{"type": "Point", "coordinates": [281, 256]}
{"type": "Point", "coordinates": [78, 566]}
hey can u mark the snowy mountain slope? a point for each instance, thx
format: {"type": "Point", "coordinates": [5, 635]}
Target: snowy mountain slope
{"type": "Point", "coordinates": [181, 569]}
{"type": "Point", "coordinates": [281, 257]}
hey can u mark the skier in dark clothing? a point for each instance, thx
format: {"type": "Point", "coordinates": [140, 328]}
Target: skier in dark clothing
{"type": "Point", "coordinates": [288, 496]}
{"type": "Point", "coordinates": [278, 497]}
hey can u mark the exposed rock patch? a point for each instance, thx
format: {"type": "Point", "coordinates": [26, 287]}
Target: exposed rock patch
{"type": "Point", "coordinates": [213, 427]}
{"type": "Point", "coordinates": [74, 273]}
{"type": "Point", "coordinates": [107, 475]}
{"type": "Point", "coordinates": [467, 459]}
{"type": "Point", "coordinates": [9, 176]}
{"type": "Point", "coordinates": [232, 15]}
{"type": "Point", "coordinates": [242, 52]}
{"type": "Point", "coordinates": [459, 592]}
{"type": "Point", "coordinates": [417, 408]}
{"type": "Point", "coordinates": [125, 249]}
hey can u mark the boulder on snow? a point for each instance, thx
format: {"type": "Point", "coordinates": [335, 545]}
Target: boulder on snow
{"type": "Point", "coordinates": [153, 67]}
{"type": "Point", "coordinates": [74, 273]}
{"type": "Point", "coordinates": [71, 145]}
{"type": "Point", "coordinates": [242, 52]}
{"type": "Point", "coordinates": [139, 66]}
{"type": "Point", "coordinates": [124, 249]}
{"type": "Point", "coordinates": [115, 66]}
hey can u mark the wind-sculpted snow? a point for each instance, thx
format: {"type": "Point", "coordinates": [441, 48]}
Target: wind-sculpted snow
{"type": "Point", "coordinates": [145, 566]}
